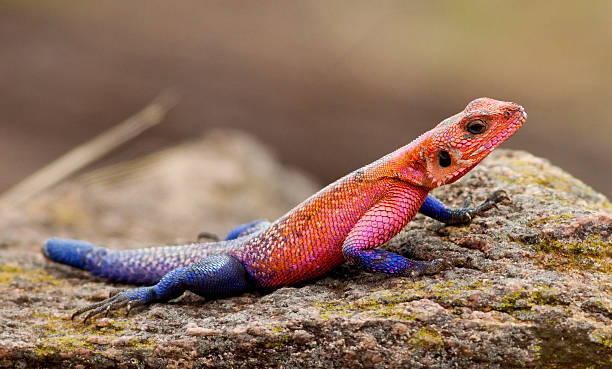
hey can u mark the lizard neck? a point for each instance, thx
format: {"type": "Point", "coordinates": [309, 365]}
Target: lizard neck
{"type": "Point", "coordinates": [406, 164]}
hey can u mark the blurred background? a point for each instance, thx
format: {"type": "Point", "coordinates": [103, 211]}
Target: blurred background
{"type": "Point", "coordinates": [329, 85]}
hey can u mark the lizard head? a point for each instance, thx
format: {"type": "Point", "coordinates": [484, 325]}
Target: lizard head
{"type": "Point", "coordinates": [460, 142]}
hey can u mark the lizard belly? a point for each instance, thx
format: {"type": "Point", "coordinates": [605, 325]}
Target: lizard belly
{"type": "Point", "coordinates": [283, 263]}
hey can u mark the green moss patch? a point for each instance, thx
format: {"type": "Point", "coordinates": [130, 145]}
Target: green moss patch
{"type": "Point", "coordinates": [428, 338]}
{"type": "Point", "coordinates": [593, 253]}
{"type": "Point", "coordinates": [526, 299]}
{"type": "Point", "coordinates": [37, 276]}
{"type": "Point", "coordinates": [392, 304]}
{"type": "Point", "coordinates": [387, 307]}
{"type": "Point", "coordinates": [62, 335]}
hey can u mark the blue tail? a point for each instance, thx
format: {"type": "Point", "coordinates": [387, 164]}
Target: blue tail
{"type": "Point", "coordinates": [70, 252]}
{"type": "Point", "coordinates": [137, 266]}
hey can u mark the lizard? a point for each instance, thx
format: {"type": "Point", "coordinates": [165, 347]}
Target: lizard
{"type": "Point", "coordinates": [346, 221]}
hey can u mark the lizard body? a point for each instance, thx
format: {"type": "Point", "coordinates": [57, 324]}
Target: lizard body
{"type": "Point", "coordinates": [345, 221]}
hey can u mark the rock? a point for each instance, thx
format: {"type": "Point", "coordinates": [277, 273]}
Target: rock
{"type": "Point", "coordinates": [530, 287]}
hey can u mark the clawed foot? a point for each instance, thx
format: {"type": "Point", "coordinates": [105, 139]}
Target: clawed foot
{"type": "Point", "coordinates": [431, 267]}
{"type": "Point", "coordinates": [118, 299]}
{"type": "Point", "coordinates": [468, 213]}
{"type": "Point", "coordinates": [491, 202]}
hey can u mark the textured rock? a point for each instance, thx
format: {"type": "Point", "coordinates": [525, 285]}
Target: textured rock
{"type": "Point", "coordinates": [531, 285]}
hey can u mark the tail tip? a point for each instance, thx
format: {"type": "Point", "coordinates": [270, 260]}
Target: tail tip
{"type": "Point", "coordinates": [66, 251]}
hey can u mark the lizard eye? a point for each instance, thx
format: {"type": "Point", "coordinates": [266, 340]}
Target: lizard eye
{"type": "Point", "coordinates": [444, 159]}
{"type": "Point", "coordinates": [476, 127]}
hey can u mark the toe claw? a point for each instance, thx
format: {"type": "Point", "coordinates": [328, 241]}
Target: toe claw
{"type": "Point", "coordinates": [499, 196]}
{"type": "Point", "coordinates": [436, 266]}
{"type": "Point", "coordinates": [90, 315]}
{"type": "Point", "coordinates": [102, 307]}
{"type": "Point", "coordinates": [87, 308]}
{"type": "Point", "coordinates": [116, 291]}
{"type": "Point", "coordinates": [429, 268]}
{"type": "Point", "coordinates": [129, 299]}
{"type": "Point", "coordinates": [491, 202]}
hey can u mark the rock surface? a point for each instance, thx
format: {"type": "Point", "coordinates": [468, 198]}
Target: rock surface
{"type": "Point", "coordinates": [531, 285]}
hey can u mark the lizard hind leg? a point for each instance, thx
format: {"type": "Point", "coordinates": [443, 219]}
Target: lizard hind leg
{"type": "Point", "coordinates": [212, 277]}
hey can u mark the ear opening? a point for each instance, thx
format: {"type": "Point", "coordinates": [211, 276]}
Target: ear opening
{"type": "Point", "coordinates": [444, 159]}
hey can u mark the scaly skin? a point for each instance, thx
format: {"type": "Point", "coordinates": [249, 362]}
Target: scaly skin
{"type": "Point", "coordinates": [345, 221]}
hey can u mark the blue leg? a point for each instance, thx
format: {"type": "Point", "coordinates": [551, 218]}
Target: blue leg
{"type": "Point", "coordinates": [377, 226]}
{"type": "Point", "coordinates": [435, 209]}
{"type": "Point", "coordinates": [213, 277]}
{"type": "Point", "coordinates": [136, 266]}
{"type": "Point", "coordinates": [247, 228]}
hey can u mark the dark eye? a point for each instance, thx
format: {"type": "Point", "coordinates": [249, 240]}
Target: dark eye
{"type": "Point", "coordinates": [444, 159]}
{"type": "Point", "coordinates": [476, 127]}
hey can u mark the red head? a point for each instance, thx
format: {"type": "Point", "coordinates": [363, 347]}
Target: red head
{"type": "Point", "coordinates": [458, 143]}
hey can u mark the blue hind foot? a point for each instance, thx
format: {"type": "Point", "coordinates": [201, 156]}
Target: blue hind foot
{"type": "Point", "coordinates": [213, 277]}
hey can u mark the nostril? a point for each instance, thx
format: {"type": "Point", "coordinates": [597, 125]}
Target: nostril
{"type": "Point", "coordinates": [518, 109]}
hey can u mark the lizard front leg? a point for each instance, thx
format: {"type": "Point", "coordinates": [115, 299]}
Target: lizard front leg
{"type": "Point", "coordinates": [213, 277]}
{"type": "Point", "coordinates": [435, 209]}
{"type": "Point", "coordinates": [381, 223]}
